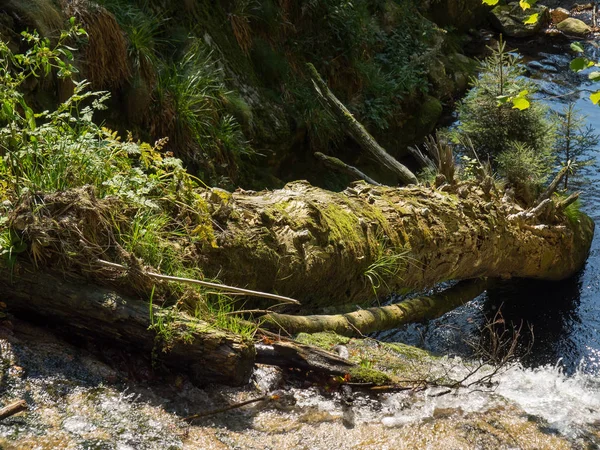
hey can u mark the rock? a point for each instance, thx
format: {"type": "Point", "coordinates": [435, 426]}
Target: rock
{"type": "Point", "coordinates": [508, 19]}
{"type": "Point", "coordinates": [574, 27]}
{"type": "Point", "coordinates": [559, 14]}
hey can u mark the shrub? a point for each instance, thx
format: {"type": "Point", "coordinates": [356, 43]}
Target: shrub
{"type": "Point", "coordinates": [493, 124]}
{"type": "Point", "coordinates": [525, 169]}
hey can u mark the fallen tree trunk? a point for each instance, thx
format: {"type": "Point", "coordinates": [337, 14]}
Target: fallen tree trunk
{"type": "Point", "coordinates": [207, 355]}
{"type": "Point", "coordinates": [381, 318]}
{"type": "Point", "coordinates": [326, 248]}
{"type": "Point", "coordinates": [319, 246]}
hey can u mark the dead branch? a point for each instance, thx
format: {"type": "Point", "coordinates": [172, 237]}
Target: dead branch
{"type": "Point", "coordinates": [552, 187]}
{"type": "Point", "coordinates": [532, 213]}
{"type": "Point", "coordinates": [341, 166]}
{"type": "Point", "coordinates": [357, 131]}
{"type": "Point", "coordinates": [568, 201]}
{"type": "Point", "coordinates": [300, 356]}
{"type": "Point", "coordinates": [206, 284]}
{"type": "Point", "coordinates": [13, 408]}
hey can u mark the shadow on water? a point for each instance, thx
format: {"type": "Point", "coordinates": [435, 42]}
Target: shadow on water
{"type": "Point", "coordinates": [550, 309]}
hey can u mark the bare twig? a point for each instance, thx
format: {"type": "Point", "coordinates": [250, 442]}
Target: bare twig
{"type": "Point", "coordinates": [568, 201]}
{"type": "Point", "coordinates": [341, 166]}
{"type": "Point", "coordinates": [553, 186]}
{"type": "Point", "coordinates": [13, 408]}
{"type": "Point", "coordinates": [206, 284]}
{"type": "Point", "coordinates": [227, 408]}
{"type": "Point", "coordinates": [531, 213]}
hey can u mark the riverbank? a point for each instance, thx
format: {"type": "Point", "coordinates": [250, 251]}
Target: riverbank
{"type": "Point", "coordinates": [107, 399]}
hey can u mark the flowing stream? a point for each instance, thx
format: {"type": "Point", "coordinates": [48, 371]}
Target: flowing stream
{"type": "Point", "coordinates": [559, 378]}
{"type": "Point", "coordinates": [95, 398]}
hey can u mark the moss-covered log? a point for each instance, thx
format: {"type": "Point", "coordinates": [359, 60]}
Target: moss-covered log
{"type": "Point", "coordinates": [204, 353]}
{"type": "Point", "coordinates": [319, 246]}
{"type": "Point", "coordinates": [365, 321]}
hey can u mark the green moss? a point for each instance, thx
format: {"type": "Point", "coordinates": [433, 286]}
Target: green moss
{"type": "Point", "coordinates": [367, 375]}
{"type": "Point", "coordinates": [343, 225]}
{"type": "Point", "coordinates": [326, 340]}
{"type": "Point", "coordinates": [408, 351]}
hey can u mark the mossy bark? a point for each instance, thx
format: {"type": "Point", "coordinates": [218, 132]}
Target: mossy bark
{"type": "Point", "coordinates": [317, 246]}
{"type": "Point", "coordinates": [365, 321]}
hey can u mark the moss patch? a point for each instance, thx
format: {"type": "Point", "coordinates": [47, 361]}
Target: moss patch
{"type": "Point", "coordinates": [325, 341]}
{"type": "Point", "coordinates": [367, 375]}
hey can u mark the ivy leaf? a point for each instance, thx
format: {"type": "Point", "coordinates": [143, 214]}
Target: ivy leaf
{"type": "Point", "coordinates": [595, 97]}
{"type": "Point", "coordinates": [532, 19]}
{"type": "Point", "coordinates": [594, 76]}
{"type": "Point", "coordinates": [490, 2]}
{"type": "Point", "coordinates": [578, 64]}
{"type": "Point", "coordinates": [577, 47]}
{"type": "Point", "coordinates": [520, 103]}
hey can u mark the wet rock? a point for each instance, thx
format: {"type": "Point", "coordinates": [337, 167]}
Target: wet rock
{"type": "Point", "coordinates": [559, 14]}
{"type": "Point", "coordinates": [509, 19]}
{"type": "Point", "coordinates": [342, 351]}
{"type": "Point", "coordinates": [574, 27]}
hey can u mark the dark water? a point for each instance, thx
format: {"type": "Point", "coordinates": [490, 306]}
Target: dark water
{"type": "Point", "coordinates": [564, 316]}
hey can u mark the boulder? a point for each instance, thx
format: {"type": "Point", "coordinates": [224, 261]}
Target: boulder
{"type": "Point", "coordinates": [574, 27]}
{"type": "Point", "coordinates": [508, 19]}
{"type": "Point", "coordinates": [558, 15]}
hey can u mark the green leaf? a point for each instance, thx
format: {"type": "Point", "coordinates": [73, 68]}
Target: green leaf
{"type": "Point", "coordinates": [577, 47]}
{"type": "Point", "coordinates": [490, 2]}
{"type": "Point", "coordinates": [595, 97]}
{"type": "Point", "coordinates": [8, 110]}
{"type": "Point", "coordinates": [578, 64]}
{"type": "Point", "coordinates": [532, 19]}
{"type": "Point", "coordinates": [526, 4]}
{"type": "Point", "coordinates": [502, 99]}
{"type": "Point", "coordinates": [520, 103]}
{"type": "Point", "coordinates": [29, 115]}
{"type": "Point", "coordinates": [594, 76]}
